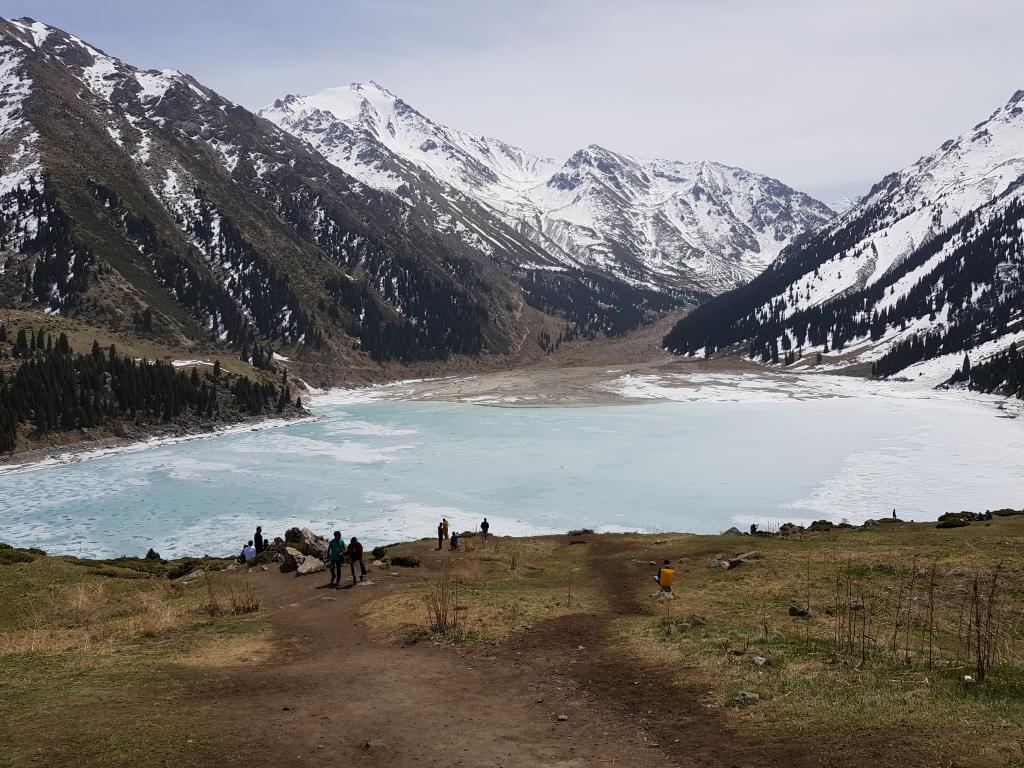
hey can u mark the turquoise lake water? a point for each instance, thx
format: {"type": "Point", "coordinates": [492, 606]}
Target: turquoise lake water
{"type": "Point", "coordinates": [387, 470]}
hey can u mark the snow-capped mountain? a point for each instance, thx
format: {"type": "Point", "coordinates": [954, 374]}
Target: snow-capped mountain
{"type": "Point", "coordinates": [929, 264]}
{"type": "Point", "coordinates": [669, 226]}
{"type": "Point", "coordinates": [124, 190]}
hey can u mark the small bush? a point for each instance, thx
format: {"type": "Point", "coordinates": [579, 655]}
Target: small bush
{"type": "Point", "coordinates": [581, 532]}
{"type": "Point", "coordinates": [37, 551]}
{"type": "Point", "coordinates": [5, 546]}
{"type": "Point", "coordinates": [821, 526]}
{"type": "Point", "coordinates": [152, 554]}
{"type": "Point", "coordinates": [379, 553]}
{"type": "Point", "coordinates": [10, 556]}
{"type": "Point", "coordinates": [182, 567]}
{"type": "Point", "coordinates": [405, 561]}
{"type": "Point", "coordinates": [953, 522]}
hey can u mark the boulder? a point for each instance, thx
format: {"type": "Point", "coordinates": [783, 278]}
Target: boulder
{"type": "Point", "coordinates": [310, 565]}
{"type": "Point", "coordinates": [800, 611]}
{"type": "Point", "coordinates": [744, 699]}
{"type": "Point", "coordinates": [759, 661]}
{"type": "Point", "coordinates": [268, 556]}
{"type": "Point", "coordinates": [293, 558]}
{"type": "Point", "coordinates": [734, 531]}
{"type": "Point", "coordinates": [754, 555]}
{"type": "Point", "coordinates": [788, 529]}
{"type": "Point", "coordinates": [307, 542]}
{"type": "Point", "coordinates": [734, 563]}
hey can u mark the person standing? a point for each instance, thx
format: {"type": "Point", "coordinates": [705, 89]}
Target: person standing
{"type": "Point", "coordinates": [336, 557]}
{"type": "Point", "coordinates": [665, 576]}
{"type": "Point", "coordinates": [257, 540]}
{"type": "Point", "coordinates": [355, 554]}
{"type": "Point", "coordinates": [444, 523]}
{"type": "Point", "coordinates": [440, 535]}
{"type": "Point", "coordinates": [484, 528]}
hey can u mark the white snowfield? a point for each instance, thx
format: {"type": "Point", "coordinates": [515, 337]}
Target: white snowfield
{"type": "Point", "coordinates": [657, 223]}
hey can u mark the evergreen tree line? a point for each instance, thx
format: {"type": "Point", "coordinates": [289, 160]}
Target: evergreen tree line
{"type": "Point", "coordinates": [62, 266]}
{"type": "Point", "coordinates": [593, 304]}
{"type": "Point", "coordinates": [253, 303]}
{"type": "Point", "coordinates": [1001, 374]}
{"type": "Point", "coordinates": [979, 285]}
{"type": "Point", "coordinates": [58, 390]}
{"type": "Point", "coordinates": [427, 314]}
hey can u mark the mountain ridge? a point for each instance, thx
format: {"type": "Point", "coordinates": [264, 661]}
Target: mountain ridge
{"type": "Point", "coordinates": [648, 222]}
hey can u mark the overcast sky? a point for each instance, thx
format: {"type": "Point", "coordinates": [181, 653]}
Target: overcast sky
{"type": "Point", "coordinates": [826, 96]}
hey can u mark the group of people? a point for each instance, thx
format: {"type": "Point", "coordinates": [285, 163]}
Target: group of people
{"type": "Point", "coordinates": [453, 541]}
{"type": "Point", "coordinates": [253, 547]}
{"type": "Point", "coordinates": [338, 553]}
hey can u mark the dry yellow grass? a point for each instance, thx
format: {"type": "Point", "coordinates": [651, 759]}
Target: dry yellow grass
{"type": "Point", "coordinates": [499, 588]}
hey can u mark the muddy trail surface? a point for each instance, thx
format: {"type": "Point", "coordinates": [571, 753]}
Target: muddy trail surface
{"type": "Point", "coordinates": [565, 693]}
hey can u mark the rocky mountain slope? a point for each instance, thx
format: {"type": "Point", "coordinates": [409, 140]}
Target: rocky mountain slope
{"type": "Point", "coordinates": [927, 267]}
{"type": "Point", "coordinates": [685, 228]}
{"type": "Point", "coordinates": [143, 201]}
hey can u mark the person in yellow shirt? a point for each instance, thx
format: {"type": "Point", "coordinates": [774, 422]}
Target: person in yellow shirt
{"type": "Point", "coordinates": [664, 577]}
{"type": "Point", "coordinates": [444, 524]}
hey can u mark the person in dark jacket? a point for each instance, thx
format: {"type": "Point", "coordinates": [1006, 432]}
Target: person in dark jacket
{"type": "Point", "coordinates": [484, 528]}
{"type": "Point", "coordinates": [336, 557]}
{"type": "Point", "coordinates": [355, 554]}
{"type": "Point", "coordinates": [257, 540]}
{"type": "Point", "coordinates": [440, 535]}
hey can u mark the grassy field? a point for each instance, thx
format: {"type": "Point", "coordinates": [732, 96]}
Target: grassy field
{"type": "Point", "coordinates": [900, 641]}
{"type": "Point", "coordinates": [892, 626]}
{"type": "Point", "coordinates": [485, 592]}
{"type": "Point", "coordinates": [99, 662]}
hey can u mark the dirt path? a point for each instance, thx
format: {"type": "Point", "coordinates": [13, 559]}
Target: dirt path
{"type": "Point", "coordinates": [353, 698]}
{"type": "Point", "coordinates": [333, 691]}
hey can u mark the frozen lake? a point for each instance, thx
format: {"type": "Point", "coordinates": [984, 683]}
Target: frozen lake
{"type": "Point", "coordinates": [727, 451]}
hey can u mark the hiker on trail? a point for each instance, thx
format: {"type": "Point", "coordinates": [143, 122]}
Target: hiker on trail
{"type": "Point", "coordinates": [355, 554]}
{"type": "Point", "coordinates": [664, 577]}
{"type": "Point", "coordinates": [336, 557]}
{"type": "Point", "coordinates": [444, 523]}
{"type": "Point", "coordinates": [455, 540]}
{"type": "Point", "coordinates": [258, 539]}
{"type": "Point", "coordinates": [894, 513]}
{"type": "Point", "coordinates": [440, 535]}
{"type": "Point", "coordinates": [248, 552]}
{"type": "Point", "coordinates": [484, 528]}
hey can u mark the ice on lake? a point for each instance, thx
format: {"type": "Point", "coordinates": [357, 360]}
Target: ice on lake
{"type": "Point", "coordinates": [717, 452]}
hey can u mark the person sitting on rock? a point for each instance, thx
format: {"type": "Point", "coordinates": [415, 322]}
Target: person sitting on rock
{"type": "Point", "coordinates": [336, 557]}
{"type": "Point", "coordinates": [249, 552]}
{"type": "Point", "coordinates": [355, 554]}
{"type": "Point", "coordinates": [664, 577]}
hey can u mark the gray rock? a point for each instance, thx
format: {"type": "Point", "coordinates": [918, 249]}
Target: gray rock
{"type": "Point", "coordinates": [759, 661]}
{"type": "Point", "coordinates": [800, 611]}
{"type": "Point", "coordinates": [734, 563]}
{"type": "Point", "coordinates": [754, 555]}
{"type": "Point", "coordinates": [734, 531]}
{"type": "Point", "coordinates": [744, 699]}
{"type": "Point", "coordinates": [307, 542]}
{"type": "Point", "coordinates": [293, 558]}
{"type": "Point", "coordinates": [562, 718]}
{"type": "Point", "coordinates": [310, 565]}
